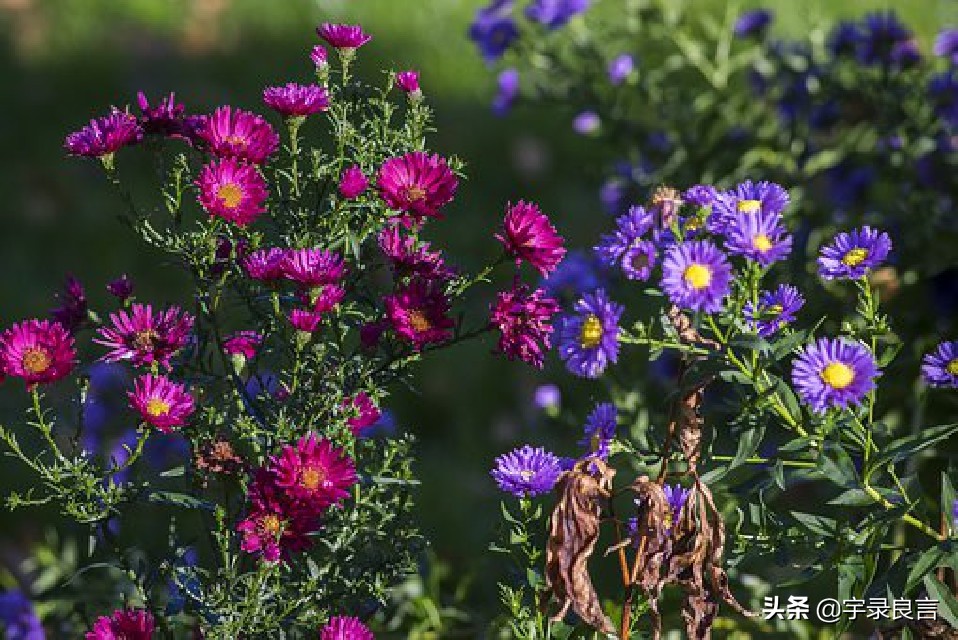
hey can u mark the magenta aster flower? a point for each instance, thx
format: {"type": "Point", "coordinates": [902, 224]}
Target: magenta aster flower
{"type": "Point", "coordinates": [319, 57]}
{"type": "Point", "coordinates": [940, 368]}
{"type": "Point", "coordinates": [774, 310]}
{"type": "Point", "coordinates": [758, 236]}
{"type": "Point", "coordinates": [589, 339]}
{"type": "Point", "coordinates": [243, 343]}
{"type": "Point", "coordinates": [526, 471]}
{"type": "Point", "coordinates": [315, 472]}
{"type": "Point", "coordinates": [296, 100]}
{"type": "Point", "coordinates": [121, 288]}
{"type": "Point", "coordinates": [362, 412]}
{"type": "Point", "coordinates": [144, 337]}
{"type": "Point", "coordinates": [265, 265]}
{"type": "Point", "coordinates": [852, 255]}
{"type": "Point", "coordinates": [105, 136]}
{"type": "Point", "coordinates": [408, 81]}
{"type": "Point", "coordinates": [326, 298]}
{"type": "Point", "coordinates": [73, 305]}
{"type": "Point", "coordinates": [276, 525]}
{"type": "Point", "coordinates": [528, 235]}
{"type": "Point", "coordinates": [161, 402]}
{"type": "Point", "coordinates": [238, 134]}
{"type": "Point", "coordinates": [305, 320]}
{"type": "Point", "coordinates": [39, 351]}
{"type": "Point", "coordinates": [417, 184]}
{"type": "Point", "coordinates": [418, 314]}
{"type": "Point", "coordinates": [353, 182]}
{"type": "Point", "coordinates": [524, 322]}
{"type": "Point", "coordinates": [345, 628]}
{"type": "Point", "coordinates": [697, 276]}
{"type": "Point", "coordinates": [409, 257]}
{"type": "Point", "coordinates": [834, 372]}
{"type": "Point", "coordinates": [124, 624]}
{"type": "Point", "coordinates": [165, 119]}
{"type": "Point", "coordinates": [343, 36]}
{"type": "Point", "coordinates": [313, 267]}
{"type": "Point", "coordinates": [232, 190]}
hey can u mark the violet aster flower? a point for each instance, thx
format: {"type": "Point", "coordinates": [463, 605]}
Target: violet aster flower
{"type": "Point", "coordinates": [165, 119]}
{"type": "Point", "coordinates": [528, 235]}
{"type": "Point", "coordinates": [343, 36]}
{"type": "Point", "coordinates": [940, 367]}
{"type": "Point", "coordinates": [589, 339]}
{"type": "Point", "coordinates": [313, 267]}
{"type": "Point", "coordinates": [853, 254]}
{"type": "Point", "coordinates": [885, 40]}
{"type": "Point", "coordinates": [408, 81]}
{"type": "Point", "coordinates": [555, 13]}
{"type": "Point", "coordinates": [265, 265]}
{"type": "Point", "coordinates": [243, 343]}
{"type": "Point", "coordinates": [314, 471]}
{"type": "Point", "coordinates": [943, 90]}
{"type": "Point", "coordinates": [18, 617]}
{"type": "Point", "coordinates": [523, 318]}
{"type": "Point", "coordinates": [548, 397]}
{"type": "Point", "coordinates": [753, 23]}
{"type": "Point", "coordinates": [946, 44]}
{"type": "Point", "coordinates": [239, 134]}
{"type": "Point", "coordinates": [834, 372]}
{"type": "Point", "coordinates": [527, 472]}
{"type": "Point", "coordinates": [105, 136]}
{"type": "Point", "coordinates": [629, 229]}
{"type": "Point", "coordinates": [494, 29]}
{"type": "Point", "coordinates": [599, 430]}
{"type": "Point", "coordinates": [774, 310]}
{"type": "Point", "coordinates": [578, 272]}
{"type": "Point", "coordinates": [161, 402]}
{"type": "Point", "coordinates": [345, 628]}
{"type": "Point", "coordinates": [353, 182]}
{"type": "Point", "coordinates": [620, 68]}
{"type": "Point", "coordinates": [232, 190]}
{"type": "Point", "coordinates": [638, 260]}
{"type": "Point", "coordinates": [417, 314]}
{"type": "Point", "coordinates": [747, 197]}
{"type": "Point", "coordinates": [144, 337]}
{"type": "Point", "coordinates": [696, 275]}
{"type": "Point", "coordinates": [296, 100]}
{"type": "Point", "coordinates": [73, 305]}
{"type": "Point", "coordinates": [508, 90]}
{"type": "Point", "coordinates": [39, 351]}
{"type": "Point", "coordinates": [121, 288]}
{"type": "Point", "coordinates": [760, 237]}
{"type": "Point", "coordinates": [418, 184]}
{"type": "Point", "coordinates": [677, 497]}
{"type": "Point", "coordinates": [124, 624]}
{"type": "Point", "coordinates": [700, 195]}
{"type": "Point", "coordinates": [586, 123]}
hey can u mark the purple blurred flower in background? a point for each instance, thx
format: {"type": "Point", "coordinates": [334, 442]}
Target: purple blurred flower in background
{"type": "Point", "coordinates": [885, 40]}
{"type": "Point", "coordinates": [620, 68]}
{"type": "Point", "coordinates": [586, 123]}
{"type": "Point", "coordinates": [508, 91]}
{"type": "Point", "coordinates": [578, 272]}
{"type": "Point", "coordinates": [18, 619]}
{"type": "Point", "coordinates": [548, 397]}
{"type": "Point", "coordinates": [946, 44]}
{"type": "Point", "coordinates": [494, 29]}
{"type": "Point", "coordinates": [121, 288]}
{"type": "Point", "coordinates": [555, 13]}
{"type": "Point", "coordinates": [753, 23]}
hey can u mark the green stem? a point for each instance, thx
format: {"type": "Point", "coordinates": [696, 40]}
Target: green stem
{"type": "Point", "coordinates": [910, 519]}
{"type": "Point", "coordinates": [806, 464]}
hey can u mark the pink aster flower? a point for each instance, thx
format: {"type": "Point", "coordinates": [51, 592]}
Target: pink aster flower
{"type": "Point", "coordinates": [319, 57]}
{"type": "Point", "coordinates": [238, 134]}
{"type": "Point", "coordinates": [326, 298]}
{"type": "Point", "coordinates": [524, 322]}
{"type": "Point", "coordinates": [408, 81]}
{"type": "Point", "coordinates": [343, 36]}
{"type": "Point", "coordinates": [105, 136]}
{"type": "Point", "coordinates": [370, 333]}
{"type": "Point", "coordinates": [313, 267]}
{"type": "Point", "coordinates": [352, 183]}
{"type": "Point", "coordinates": [39, 351]}
{"type": "Point", "coordinates": [418, 314]}
{"type": "Point", "coordinates": [265, 265]}
{"type": "Point", "coordinates": [417, 184]}
{"type": "Point", "coordinates": [409, 257]}
{"type": "Point", "coordinates": [143, 336]}
{"type": "Point", "coordinates": [296, 99]}
{"type": "Point", "coordinates": [243, 343]}
{"type": "Point", "coordinates": [124, 624]}
{"type": "Point", "coordinates": [345, 628]}
{"type": "Point", "coordinates": [276, 525]}
{"type": "Point", "coordinates": [362, 412]}
{"type": "Point", "coordinates": [305, 320]}
{"type": "Point", "coordinates": [232, 190]}
{"type": "Point", "coordinates": [161, 402]}
{"type": "Point", "coordinates": [528, 235]}
{"type": "Point", "coordinates": [314, 472]}
{"type": "Point", "coordinates": [164, 119]}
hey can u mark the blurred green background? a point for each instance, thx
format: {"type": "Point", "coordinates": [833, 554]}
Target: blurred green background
{"type": "Point", "coordinates": [64, 61]}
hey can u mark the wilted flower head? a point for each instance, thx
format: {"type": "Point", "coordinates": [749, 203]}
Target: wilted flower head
{"type": "Point", "coordinates": [417, 184]}
{"type": "Point", "coordinates": [296, 100]}
{"type": "Point", "coordinates": [523, 318]}
{"type": "Point", "coordinates": [143, 336]}
{"type": "Point", "coordinates": [494, 29]}
{"type": "Point", "coordinates": [851, 255]}
{"type": "Point", "coordinates": [161, 402]}
{"type": "Point", "coordinates": [343, 36]}
{"type": "Point", "coordinates": [697, 276]}
{"type": "Point", "coordinates": [676, 496]}
{"type": "Point", "coordinates": [834, 372]}
{"type": "Point", "coordinates": [232, 190]}
{"type": "Point", "coordinates": [528, 235]}
{"type": "Point", "coordinates": [589, 338]}
{"type": "Point", "coordinates": [527, 471]}
{"type": "Point", "coordinates": [345, 628]}
{"type": "Point", "coordinates": [239, 134]}
{"type": "Point", "coordinates": [124, 624]}
{"type": "Point", "coordinates": [39, 351]}
{"type": "Point", "coordinates": [940, 367]}
{"type": "Point", "coordinates": [104, 136]}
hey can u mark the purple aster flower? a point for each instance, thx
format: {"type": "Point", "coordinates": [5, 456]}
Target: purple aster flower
{"type": "Point", "coordinates": [884, 40]}
{"type": "Point", "coordinates": [946, 44]}
{"type": "Point", "coordinates": [494, 29]}
{"type": "Point", "coordinates": [630, 227]}
{"type": "Point", "coordinates": [18, 618]}
{"type": "Point", "coordinates": [943, 90]}
{"type": "Point", "coordinates": [508, 83]}
{"type": "Point", "coordinates": [600, 430]}
{"type": "Point", "coordinates": [586, 123]}
{"type": "Point", "coordinates": [940, 367]}
{"type": "Point", "coordinates": [774, 310]}
{"type": "Point", "coordinates": [555, 13]}
{"type": "Point", "coordinates": [851, 255]}
{"type": "Point", "coordinates": [747, 197]}
{"type": "Point", "coordinates": [579, 271]}
{"type": "Point", "coordinates": [700, 195]}
{"type": "Point", "coordinates": [527, 471]}
{"type": "Point", "coordinates": [548, 397]}
{"type": "Point", "coordinates": [343, 36]}
{"type": "Point", "coordinates": [105, 136]}
{"type": "Point", "coordinates": [753, 23]}
{"type": "Point", "coordinates": [620, 68]}
{"type": "Point", "coordinates": [760, 237]}
{"type": "Point", "coordinates": [589, 339]}
{"type": "Point", "coordinates": [834, 372]}
{"type": "Point", "coordinates": [296, 100]}
{"type": "Point", "coordinates": [677, 496]}
{"type": "Point", "coordinates": [696, 275]}
{"type": "Point", "coordinates": [638, 260]}
{"type": "Point", "coordinates": [845, 39]}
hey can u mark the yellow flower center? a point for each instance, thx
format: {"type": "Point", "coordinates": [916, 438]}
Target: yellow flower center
{"type": "Point", "coordinates": [749, 206]}
{"type": "Point", "coordinates": [953, 367]}
{"type": "Point", "coordinates": [526, 474]}
{"type": "Point", "coordinates": [698, 276]}
{"type": "Point", "coordinates": [311, 478]}
{"type": "Point", "coordinates": [855, 257]}
{"type": "Point", "coordinates": [762, 242]}
{"type": "Point", "coordinates": [418, 321]}
{"type": "Point", "coordinates": [230, 195]}
{"type": "Point", "coordinates": [774, 310]}
{"type": "Point", "coordinates": [591, 334]}
{"type": "Point", "coordinates": [838, 375]}
{"type": "Point", "coordinates": [239, 141]}
{"type": "Point", "coordinates": [415, 193]}
{"type": "Point", "coordinates": [157, 407]}
{"type": "Point", "coordinates": [36, 360]}
{"type": "Point", "coordinates": [145, 339]}
{"type": "Point", "coordinates": [270, 524]}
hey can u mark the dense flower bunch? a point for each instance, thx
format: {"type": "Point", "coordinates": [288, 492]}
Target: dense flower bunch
{"type": "Point", "coordinates": [754, 406]}
{"type": "Point", "coordinates": [247, 417]}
